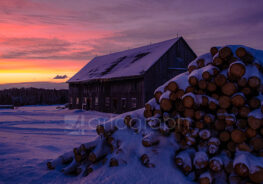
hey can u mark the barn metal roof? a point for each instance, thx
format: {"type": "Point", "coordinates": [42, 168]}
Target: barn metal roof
{"type": "Point", "coordinates": [128, 63]}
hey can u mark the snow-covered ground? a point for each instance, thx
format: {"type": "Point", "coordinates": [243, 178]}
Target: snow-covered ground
{"type": "Point", "coordinates": [29, 136]}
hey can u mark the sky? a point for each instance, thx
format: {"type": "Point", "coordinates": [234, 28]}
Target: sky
{"type": "Point", "coordinates": [50, 40]}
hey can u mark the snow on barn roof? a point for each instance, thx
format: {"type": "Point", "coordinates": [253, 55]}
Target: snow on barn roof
{"type": "Point", "coordinates": [133, 62]}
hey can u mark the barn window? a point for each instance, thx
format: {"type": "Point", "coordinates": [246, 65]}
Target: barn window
{"type": "Point", "coordinates": [77, 100]}
{"type": "Point", "coordinates": [70, 100]}
{"type": "Point", "coordinates": [85, 100]}
{"type": "Point", "coordinates": [96, 100]}
{"type": "Point", "coordinates": [107, 101]}
{"type": "Point", "coordinates": [133, 103]}
{"type": "Point", "coordinates": [123, 103]}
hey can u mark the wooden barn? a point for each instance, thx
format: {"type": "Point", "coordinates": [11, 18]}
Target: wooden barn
{"type": "Point", "coordinates": [124, 81]}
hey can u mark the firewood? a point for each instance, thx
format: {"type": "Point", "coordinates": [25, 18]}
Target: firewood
{"type": "Point", "coordinates": [224, 102]}
{"type": "Point", "coordinates": [244, 147]}
{"type": "Point", "coordinates": [166, 105]}
{"type": "Point", "coordinates": [211, 86]}
{"type": "Point", "coordinates": [190, 113]}
{"type": "Point", "coordinates": [172, 86]}
{"type": "Point", "coordinates": [237, 70]}
{"type": "Point", "coordinates": [229, 89]}
{"type": "Point", "coordinates": [251, 132]}
{"type": "Point", "coordinates": [257, 175]}
{"type": "Point", "coordinates": [114, 162]}
{"type": "Point", "coordinates": [244, 55]}
{"type": "Point", "coordinates": [221, 114]}
{"type": "Point", "coordinates": [220, 125]}
{"type": "Point", "coordinates": [242, 82]}
{"type": "Point", "coordinates": [244, 111]}
{"type": "Point", "coordinates": [213, 145]}
{"type": "Point", "coordinates": [225, 53]}
{"type": "Point", "coordinates": [193, 81]}
{"type": "Point", "coordinates": [145, 160]}
{"type": "Point", "coordinates": [224, 136]}
{"type": "Point", "coordinates": [241, 123]}
{"type": "Point", "coordinates": [190, 141]}
{"type": "Point", "coordinates": [106, 129]}
{"type": "Point", "coordinates": [101, 150]}
{"type": "Point", "coordinates": [200, 63]}
{"type": "Point", "coordinates": [256, 143]}
{"type": "Point", "coordinates": [150, 139]}
{"type": "Point", "coordinates": [179, 106]}
{"type": "Point", "coordinates": [129, 121]}
{"type": "Point", "coordinates": [205, 134]}
{"type": "Point", "coordinates": [199, 124]}
{"type": "Point", "coordinates": [230, 119]}
{"type": "Point", "coordinates": [261, 131]}
{"type": "Point", "coordinates": [254, 82]}
{"type": "Point", "coordinates": [254, 123]}
{"type": "Point", "coordinates": [238, 136]}
{"type": "Point", "coordinates": [205, 178]}
{"type": "Point", "coordinates": [153, 122]}
{"type": "Point", "coordinates": [147, 113]}
{"type": "Point", "coordinates": [205, 101]}
{"type": "Point", "coordinates": [212, 105]}
{"type": "Point", "coordinates": [238, 99]}
{"type": "Point", "coordinates": [179, 93]}
{"type": "Point", "coordinates": [194, 132]}
{"type": "Point", "coordinates": [190, 89]}
{"type": "Point", "coordinates": [198, 115]}
{"type": "Point", "coordinates": [71, 168]}
{"type": "Point", "coordinates": [217, 61]}
{"type": "Point", "coordinates": [184, 160]}
{"type": "Point", "coordinates": [63, 159]}
{"type": "Point", "coordinates": [254, 103]}
{"type": "Point", "coordinates": [202, 84]}
{"type": "Point", "coordinates": [241, 170]}
{"type": "Point", "coordinates": [209, 118]}
{"type": "Point", "coordinates": [200, 160]}
{"type": "Point", "coordinates": [188, 101]}
{"type": "Point", "coordinates": [157, 95]}
{"type": "Point", "coordinates": [233, 179]}
{"type": "Point", "coordinates": [246, 91]}
{"type": "Point", "coordinates": [213, 51]}
{"type": "Point", "coordinates": [216, 164]}
{"type": "Point", "coordinates": [191, 68]}
{"type": "Point", "coordinates": [231, 146]}
{"type": "Point", "coordinates": [220, 80]}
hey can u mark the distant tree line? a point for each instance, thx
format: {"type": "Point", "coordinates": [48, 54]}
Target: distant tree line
{"type": "Point", "coordinates": [33, 96]}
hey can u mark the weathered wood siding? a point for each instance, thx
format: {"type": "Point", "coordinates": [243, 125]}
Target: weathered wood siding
{"type": "Point", "coordinates": [112, 96]}
{"type": "Point", "coordinates": [172, 63]}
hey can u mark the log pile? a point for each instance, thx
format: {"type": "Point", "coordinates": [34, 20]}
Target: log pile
{"type": "Point", "coordinates": [214, 111]}
{"type": "Point", "coordinates": [217, 117]}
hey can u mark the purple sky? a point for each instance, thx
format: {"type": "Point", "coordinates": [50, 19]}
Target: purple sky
{"type": "Point", "coordinates": [41, 34]}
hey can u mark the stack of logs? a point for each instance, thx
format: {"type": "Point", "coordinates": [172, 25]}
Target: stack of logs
{"type": "Point", "coordinates": [215, 112]}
